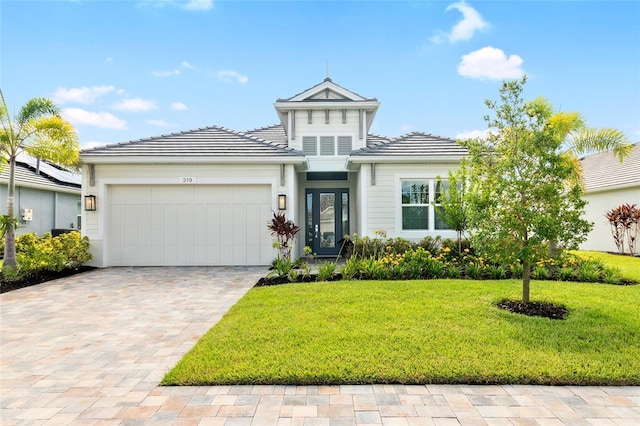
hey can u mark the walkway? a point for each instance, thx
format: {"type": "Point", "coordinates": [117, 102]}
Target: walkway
{"type": "Point", "coordinates": [91, 349]}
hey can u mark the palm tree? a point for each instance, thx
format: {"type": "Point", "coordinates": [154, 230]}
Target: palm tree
{"type": "Point", "coordinates": [40, 131]}
{"type": "Point", "coordinates": [581, 140]}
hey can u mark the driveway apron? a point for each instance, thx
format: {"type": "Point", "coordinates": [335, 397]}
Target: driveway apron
{"type": "Point", "coordinates": [92, 348]}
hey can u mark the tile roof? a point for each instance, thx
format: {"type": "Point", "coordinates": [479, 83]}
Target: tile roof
{"type": "Point", "coordinates": [417, 144]}
{"type": "Point", "coordinates": [212, 141]}
{"type": "Point", "coordinates": [50, 177]}
{"type": "Point", "coordinates": [274, 133]}
{"type": "Point", "coordinates": [604, 171]}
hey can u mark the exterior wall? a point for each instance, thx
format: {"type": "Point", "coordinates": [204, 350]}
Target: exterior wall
{"type": "Point", "coordinates": [600, 238]}
{"type": "Point", "coordinates": [383, 200]}
{"type": "Point", "coordinates": [50, 209]}
{"type": "Point", "coordinates": [335, 128]}
{"type": "Point", "coordinates": [105, 175]}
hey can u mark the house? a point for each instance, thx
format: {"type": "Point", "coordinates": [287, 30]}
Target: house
{"type": "Point", "coordinates": [608, 184]}
{"type": "Point", "coordinates": [204, 196]}
{"type": "Point", "coordinates": [47, 198]}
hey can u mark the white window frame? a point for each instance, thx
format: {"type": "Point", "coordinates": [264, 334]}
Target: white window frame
{"type": "Point", "coordinates": [418, 233]}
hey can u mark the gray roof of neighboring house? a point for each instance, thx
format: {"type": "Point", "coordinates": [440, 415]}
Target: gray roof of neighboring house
{"type": "Point", "coordinates": [605, 171]}
{"type": "Point", "coordinates": [414, 144]}
{"type": "Point", "coordinates": [212, 141]}
{"type": "Point", "coordinates": [50, 177]}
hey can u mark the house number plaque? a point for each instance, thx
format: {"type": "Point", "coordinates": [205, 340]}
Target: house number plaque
{"type": "Point", "coordinates": [188, 179]}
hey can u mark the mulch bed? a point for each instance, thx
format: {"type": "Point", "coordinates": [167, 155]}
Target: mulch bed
{"type": "Point", "coordinates": [42, 277]}
{"type": "Point", "coordinates": [534, 309]}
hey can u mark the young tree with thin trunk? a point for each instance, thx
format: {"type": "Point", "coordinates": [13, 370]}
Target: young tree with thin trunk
{"type": "Point", "coordinates": [519, 194]}
{"type": "Point", "coordinates": [39, 131]}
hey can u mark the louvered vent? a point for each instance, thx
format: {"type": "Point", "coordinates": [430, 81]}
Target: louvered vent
{"type": "Point", "coordinates": [309, 145]}
{"type": "Point", "coordinates": [344, 145]}
{"type": "Point", "coordinates": [327, 145]}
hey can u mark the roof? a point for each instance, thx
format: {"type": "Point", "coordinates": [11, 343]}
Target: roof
{"type": "Point", "coordinates": [415, 144]}
{"type": "Point", "coordinates": [212, 142]}
{"type": "Point", "coordinates": [333, 91]}
{"type": "Point", "coordinates": [604, 171]}
{"type": "Point", "coordinates": [274, 134]}
{"type": "Point", "coordinates": [50, 177]}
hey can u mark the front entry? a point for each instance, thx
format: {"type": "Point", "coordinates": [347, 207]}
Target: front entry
{"type": "Point", "coordinates": [327, 219]}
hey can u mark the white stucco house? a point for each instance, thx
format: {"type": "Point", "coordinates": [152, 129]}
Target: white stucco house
{"type": "Point", "coordinates": [608, 184]}
{"type": "Point", "coordinates": [204, 196]}
{"type": "Point", "coordinates": [47, 197]}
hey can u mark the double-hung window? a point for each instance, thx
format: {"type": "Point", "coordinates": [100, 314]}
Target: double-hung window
{"type": "Point", "coordinates": [415, 204]}
{"type": "Point", "coordinates": [420, 204]}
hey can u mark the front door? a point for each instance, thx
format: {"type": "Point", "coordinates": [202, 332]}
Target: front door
{"type": "Point", "coordinates": [327, 220]}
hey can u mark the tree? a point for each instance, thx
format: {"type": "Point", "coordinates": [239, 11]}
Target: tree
{"type": "Point", "coordinates": [40, 131]}
{"type": "Point", "coordinates": [520, 195]}
{"type": "Point", "coordinates": [453, 209]}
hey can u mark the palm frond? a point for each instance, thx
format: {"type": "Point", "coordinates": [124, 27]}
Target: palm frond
{"type": "Point", "coordinates": [36, 108]}
{"type": "Point", "coordinates": [54, 139]}
{"type": "Point", "coordinates": [563, 123]}
{"type": "Point", "coordinates": [589, 140]}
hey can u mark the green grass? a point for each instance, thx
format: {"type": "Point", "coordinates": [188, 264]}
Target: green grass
{"type": "Point", "coordinates": [435, 331]}
{"type": "Point", "coordinates": [630, 266]}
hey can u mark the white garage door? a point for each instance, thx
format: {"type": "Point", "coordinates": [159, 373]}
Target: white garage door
{"type": "Point", "coordinates": [189, 225]}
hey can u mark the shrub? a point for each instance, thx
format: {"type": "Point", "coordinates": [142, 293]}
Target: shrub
{"type": "Point", "coordinates": [351, 268]}
{"type": "Point", "coordinates": [589, 270]}
{"type": "Point", "coordinates": [36, 255]}
{"type": "Point", "coordinates": [326, 271]}
{"type": "Point", "coordinates": [539, 273]}
{"type": "Point", "coordinates": [497, 272]}
{"type": "Point", "coordinates": [430, 244]}
{"type": "Point", "coordinates": [612, 275]}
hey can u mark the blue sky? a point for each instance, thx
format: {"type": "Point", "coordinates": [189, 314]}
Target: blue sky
{"type": "Point", "coordinates": [124, 70]}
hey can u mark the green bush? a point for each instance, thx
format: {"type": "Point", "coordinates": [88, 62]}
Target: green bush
{"type": "Point", "coordinates": [326, 271]}
{"type": "Point", "coordinates": [36, 255]}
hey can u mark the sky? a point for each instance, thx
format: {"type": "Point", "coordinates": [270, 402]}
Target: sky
{"type": "Point", "coordinates": [124, 70]}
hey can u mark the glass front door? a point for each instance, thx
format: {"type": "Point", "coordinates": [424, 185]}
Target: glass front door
{"type": "Point", "coordinates": [327, 220]}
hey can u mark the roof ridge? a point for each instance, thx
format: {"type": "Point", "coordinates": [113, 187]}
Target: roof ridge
{"type": "Point", "coordinates": [263, 128]}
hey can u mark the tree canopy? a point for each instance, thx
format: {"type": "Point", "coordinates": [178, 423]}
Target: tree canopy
{"type": "Point", "coordinates": [39, 130]}
{"type": "Point", "coordinates": [520, 195]}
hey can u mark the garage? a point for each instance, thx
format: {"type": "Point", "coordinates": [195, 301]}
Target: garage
{"type": "Point", "coordinates": [188, 225]}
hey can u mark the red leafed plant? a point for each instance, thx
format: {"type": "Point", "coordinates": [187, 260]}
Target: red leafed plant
{"type": "Point", "coordinates": [285, 231]}
{"type": "Point", "coordinates": [625, 224]}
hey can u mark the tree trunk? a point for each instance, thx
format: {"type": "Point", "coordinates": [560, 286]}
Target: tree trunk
{"type": "Point", "coordinates": [10, 237]}
{"type": "Point", "coordinates": [526, 279]}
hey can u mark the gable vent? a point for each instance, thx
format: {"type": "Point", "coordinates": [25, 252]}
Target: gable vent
{"type": "Point", "coordinates": [344, 145]}
{"type": "Point", "coordinates": [309, 145]}
{"type": "Point", "coordinates": [327, 145]}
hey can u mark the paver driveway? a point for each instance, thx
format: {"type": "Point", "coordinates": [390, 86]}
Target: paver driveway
{"type": "Point", "coordinates": [91, 349]}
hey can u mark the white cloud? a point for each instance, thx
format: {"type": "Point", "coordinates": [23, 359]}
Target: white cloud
{"type": "Point", "coordinates": [228, 75]}
{"type": "Point", "coordinates": [109, 60]}
{"type": "Point", "coordinates": [188, 66]}
{"type": "Point", "coordinates": [178, 106]}
{"type": "Point", "coordinates": [197, 5]}
{"type": "Point", "coordinates": [165, 73]}
{"type": "Point", "coordinates": [91, 144]}
{"type": "Point", "coordinates": [472, 134]}
{"type": "Point", "coordinates": [81, 95]}
{"type": "Point", "coordinates": [103, 120]}
{"type": "Point", "coordinates": [136, 105]}
{"type": "Point", "coordinates": [182, 4]}
{"type": "Point", "coordinates": [465, 28]}
{"type": "Point", "coordinates": [159, 123]}
{"type": "Point", "coordinates": [490, 63]}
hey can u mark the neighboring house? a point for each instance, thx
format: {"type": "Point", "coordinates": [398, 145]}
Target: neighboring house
{"type": "Point", "coordinates": [608, 184]}
{"type": "Point", "coordinates": [204, 196]}
{"type": "Point", "coordinates": [46, 197]}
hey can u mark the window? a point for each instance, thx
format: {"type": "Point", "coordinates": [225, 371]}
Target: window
{"type": "Point", "coordinates": [415, 204]}
{"type": "Point", "coordinates": [441, 191]}
{"type": "Point", "coordinates": [420, 204]}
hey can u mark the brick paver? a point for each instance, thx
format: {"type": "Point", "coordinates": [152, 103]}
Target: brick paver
{"type": "Point", "coordinates": [91, 349]}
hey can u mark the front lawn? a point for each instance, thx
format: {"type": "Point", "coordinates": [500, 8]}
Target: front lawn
{"type": "Point", "coordinates": [424, 331]}
{"type": "Point", "coordinates": [628, 265]}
